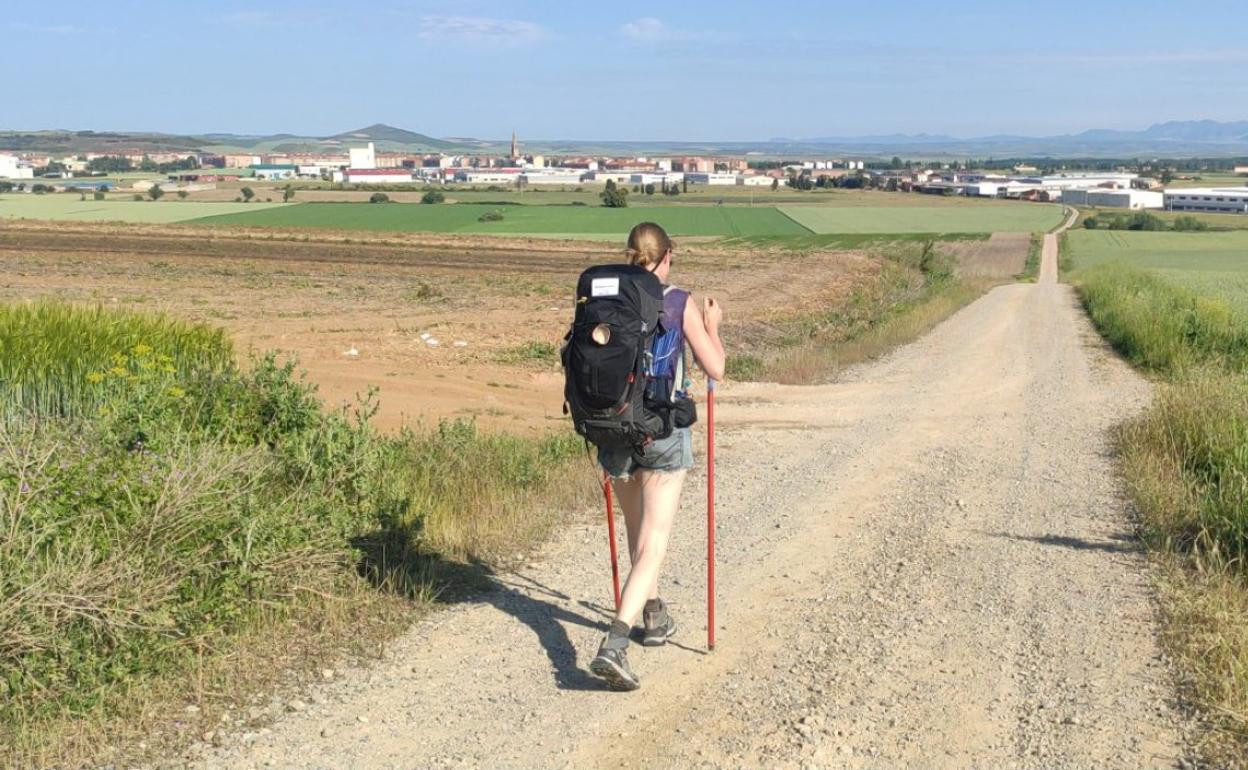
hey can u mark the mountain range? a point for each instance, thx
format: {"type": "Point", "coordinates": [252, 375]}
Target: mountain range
{"type": "Point", "coordinates": [1208, 138]}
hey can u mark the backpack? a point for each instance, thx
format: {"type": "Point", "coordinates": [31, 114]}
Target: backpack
{"type": "Point", "coordinates": [607, 357]}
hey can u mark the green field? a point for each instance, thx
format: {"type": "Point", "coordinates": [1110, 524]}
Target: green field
{"type": "Point", "coordinates": [67, 206]}
{"type": "Point", "coordinates": [550, 221]}
{"type": "Point", "coordinates": [1211, 264]}
{"type": "Point", "coordinates": [969, 218]}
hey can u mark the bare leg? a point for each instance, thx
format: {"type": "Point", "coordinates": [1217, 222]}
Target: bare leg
{"type": "Point", "coordinates": [629, 495]}
{"type": "Point", "coordinates": [660, 495]}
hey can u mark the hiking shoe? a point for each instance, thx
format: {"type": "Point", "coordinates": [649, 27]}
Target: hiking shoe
{"type": "Point", "coordinates": [611, 664]}
{"type": "Point", "coordinates": [659, 626]}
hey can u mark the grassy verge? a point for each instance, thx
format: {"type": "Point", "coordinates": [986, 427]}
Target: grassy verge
{"type": "Point", "coordinates": [1031, 268]}
{"type": "Point", "coordinates": [1185, 461]}
{"type": "Point", "coordinates": [180, 531]}
{"type": "Point", "coordinates": [915, 289]}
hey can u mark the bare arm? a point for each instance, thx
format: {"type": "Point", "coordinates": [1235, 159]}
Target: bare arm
{"type": "Point", "coordinates": [702, 332]}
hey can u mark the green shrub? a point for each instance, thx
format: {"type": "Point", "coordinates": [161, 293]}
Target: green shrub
{"type": "Point", "coordinates": [157, 501]}
{"type": "Point", "coordinates": [433, 196]}
{"type": "Point", "coordinates": [491, 216]}
{"type": "Point", "coordinates": [379, 197]}
{"type": "Point", "coordinates": [1187, 223]}
{"type": "Point", "coordinates": [1091, 222]}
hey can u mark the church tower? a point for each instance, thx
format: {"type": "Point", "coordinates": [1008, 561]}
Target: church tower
{"type": "Point", "coordinates": [515, 146]}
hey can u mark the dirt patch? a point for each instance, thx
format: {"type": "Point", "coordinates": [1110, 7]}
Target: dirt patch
{"type": "Point", "coordinates": [1003, 255]}
{"type": "Point", "coordinates": [445, 326]}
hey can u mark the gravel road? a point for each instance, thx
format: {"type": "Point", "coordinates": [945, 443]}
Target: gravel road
{"type": "Point", "coordinates": [928, 563]}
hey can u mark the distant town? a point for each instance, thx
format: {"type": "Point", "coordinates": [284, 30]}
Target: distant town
{"type": "Point", "coordinates": [365, 165]}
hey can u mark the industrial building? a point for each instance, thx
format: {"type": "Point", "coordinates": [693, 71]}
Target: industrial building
{"type": "Point", "coordinates": [376, 175]}
{"type": "Point", "coordinates": [275, 170]}
{"type": "Point", "coordinates": [553, 176]}
{"type": "Point", "coordinates": [1226, 200]}
{"type": "Point", "coordinates": [11, 168]}
{"type": "Point", "coordinates": [711, 178]}
{"type": "Point", "coordinates": [1120, 199]}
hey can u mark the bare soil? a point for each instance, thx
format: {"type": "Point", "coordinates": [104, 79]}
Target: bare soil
{"type": "Point", "coordinates": [386, 296]}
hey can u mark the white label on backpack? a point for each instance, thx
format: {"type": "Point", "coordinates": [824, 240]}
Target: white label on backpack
{"type": "Point", "coordinates": [604, 287]}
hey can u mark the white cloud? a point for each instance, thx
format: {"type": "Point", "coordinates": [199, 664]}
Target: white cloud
{"type": "Point", "coordinates": [47, 29]}
{"type": "Point", "coordinates": [475, 29]}
{"type": "Point", "coordinates": [646, 29]}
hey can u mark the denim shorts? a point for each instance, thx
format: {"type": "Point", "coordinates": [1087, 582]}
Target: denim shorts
{"type": "Point", "coordinates": [666, 455]}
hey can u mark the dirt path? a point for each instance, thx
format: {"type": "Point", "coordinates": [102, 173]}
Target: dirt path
{"type": "Point", "coordinates": [927, 564]}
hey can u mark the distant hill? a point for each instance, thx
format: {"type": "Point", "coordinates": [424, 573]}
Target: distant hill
{"type": "Point", "coordinates": [1168, 139]}
{"type": "Point", "coordinates": [383, 134]}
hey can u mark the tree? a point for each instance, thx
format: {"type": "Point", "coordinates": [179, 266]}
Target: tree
{"type": "Point", "coordinates": [1091, 222]}
{"type": "Point", "coordinates": [98, 195]}
{"type": "Point", "coordinates": [155, 193]}
{"type": "Point", "coordinates": [379, 197]}
{"type": "Point", "coordinates": [1167, 176]}
{"type": "Point", "coordinates": [248, 194]}
{"type": "Point", "coordinates": [673, 190]}
{"type": "Point", "coordinates": [614, 197]}
{"type": "Point", "coordinates": [182, 195]}
{"type": "Point", "coordinates": [433, 196]}
{"type": "Point", "coordinates": [6, 187]}
{"type": "Point", "coordinates": [649, 189]}
{"type": "Point", "coordinates": [287, 194]}
{"type": "Point", "coordinates": [775, 185]}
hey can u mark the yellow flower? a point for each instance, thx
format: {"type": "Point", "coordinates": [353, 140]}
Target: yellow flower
{"type": "Point", "coordinates": [95, 378]}
{"type": "Point", "coordinates": [177, 392]}
{"type": "Point", "coordinates": [142, 349]}
{"type": "Point", "coordinates": [118, 371]}
{"type": "Point", "coordinates": [169, 369]}
{"type": "Point", "coordinates": [119, 359]}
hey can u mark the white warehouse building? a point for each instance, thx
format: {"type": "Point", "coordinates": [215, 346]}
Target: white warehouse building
{"type": "Point", "coordinates": [1119, 199]}
{"type": "Point", "coordinates": [11, 168]}
{"type": "Point", "coordinates": [712, 179]}
{"type": "Point", "coordinates": [1226, 200]}
{"type": "Point", "coordinates": [377, 175]}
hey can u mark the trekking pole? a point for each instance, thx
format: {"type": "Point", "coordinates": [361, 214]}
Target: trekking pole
{"type": "Point", "coordinates": [615, 563]}
{"type": "Point", "coordinates": [710, 514]}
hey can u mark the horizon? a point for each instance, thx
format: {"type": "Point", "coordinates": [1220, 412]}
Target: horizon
{"type": "Point", "coordinates": [584, 139]}
{"type": "Point", "coordinates": [651, 73]}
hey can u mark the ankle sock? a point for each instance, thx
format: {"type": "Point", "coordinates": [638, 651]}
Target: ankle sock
{"type": "Point", "coordinates": [654, 605]}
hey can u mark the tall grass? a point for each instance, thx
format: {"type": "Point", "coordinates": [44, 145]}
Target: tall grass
{"type": "Point", "coordinates": [151, 521]}
{"type": "Point", "coordinates": [59, 360]}
{"type": "Point", "coordinates": [914, 290]}
{"type": "Point", "coordinates": [1185, 461]}
{"type": "Point", "coordinates": [1161, 326]}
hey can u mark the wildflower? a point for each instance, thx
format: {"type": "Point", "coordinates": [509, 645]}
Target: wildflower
{"type": "Point", "coordinates": [119, 359]}
{"type": "Point", "coordinates": [142, 349]}
{"type": "Point", "coordinates": [95, 378]}
{"type": "Point", "coordinates": [118, 371]}
{"type": "Point", "coordinates": [176, 392]}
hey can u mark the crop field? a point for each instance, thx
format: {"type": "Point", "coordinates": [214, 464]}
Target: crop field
{"type": "Point", "coordinates": [68, 206]}
{"type": "Point", "coordinates": [1211, 264]}
{"type": "Point", "coordinates": [969, 218]}
{"type": "Point", "coordinates": [550, 221]}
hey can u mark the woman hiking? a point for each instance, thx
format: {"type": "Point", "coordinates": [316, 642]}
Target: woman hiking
{"type": "Point", "coordinates": [648, 481]}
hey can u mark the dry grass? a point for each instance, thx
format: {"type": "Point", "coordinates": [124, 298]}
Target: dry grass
{"type": "Point", "coordinates": [814, 362]}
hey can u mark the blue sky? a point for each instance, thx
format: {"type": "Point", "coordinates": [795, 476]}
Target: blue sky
{"type": "Point", "coordinates": [641, 71]}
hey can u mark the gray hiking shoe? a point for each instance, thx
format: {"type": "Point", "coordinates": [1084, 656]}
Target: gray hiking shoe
{"type": "Point", "coordinates": [611, 664]}
{"type": "Point", "coordinates": [659, 626]}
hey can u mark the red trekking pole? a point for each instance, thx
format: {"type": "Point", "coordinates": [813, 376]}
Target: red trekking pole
{"type": "Point", "coordinates": [710, 514]}
{"type": "Point", "coordinates": [615, 564]}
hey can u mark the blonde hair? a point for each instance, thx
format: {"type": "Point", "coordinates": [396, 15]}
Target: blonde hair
{"type": "Point", "coordinates": [647, 245]}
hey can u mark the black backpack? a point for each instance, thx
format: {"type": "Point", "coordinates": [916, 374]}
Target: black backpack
{"type": "Point", "coordinates": [607, 357]}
